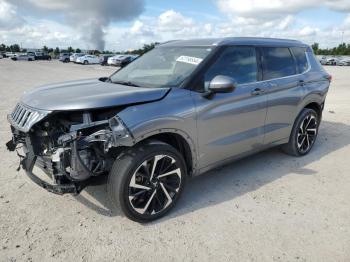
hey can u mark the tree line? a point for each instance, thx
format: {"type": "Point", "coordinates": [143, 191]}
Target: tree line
{"type": "Point", "coordinates": [56, 51]}
{"type": "Point", "coordinates": [341, 49]}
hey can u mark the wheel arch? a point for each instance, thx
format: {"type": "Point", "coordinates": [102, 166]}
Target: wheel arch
{"type": "Point", "coordinates": [315, 104]}
{"type": "Point", "coordinates": [179, 140]}
{"type": "Point", "coordinates": [317, 107]}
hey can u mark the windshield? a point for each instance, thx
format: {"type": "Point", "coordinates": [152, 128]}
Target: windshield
{"type": "Point", "coordinates": [162, 66]}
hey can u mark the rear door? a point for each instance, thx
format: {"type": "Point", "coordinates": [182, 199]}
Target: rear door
{"type": "Point", "coordinates": [284, 91]}
{"type": "Point", "coordinates": [230, 124]}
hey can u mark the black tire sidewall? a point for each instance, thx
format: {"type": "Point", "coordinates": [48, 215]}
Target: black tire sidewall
{"type": "Point", "coordinates": [123, 170]}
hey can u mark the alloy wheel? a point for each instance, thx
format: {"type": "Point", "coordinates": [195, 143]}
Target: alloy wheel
{"type": "Point", "coordinates": [154, 185]}
{"type": "Point", "coordinates": [307, 133]}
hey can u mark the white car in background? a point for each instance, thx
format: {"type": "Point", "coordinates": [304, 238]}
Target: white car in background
{"type": "Point", "coordinates": [332, 61]}
{"type": "Point", "coordinates": [10, 54]}
{"type": "Point", "coordinates": [23, 56]}
{"type": "Point", "coordinates": [88, 59]}
{"type": "Point", "coordinates": [344, 61]}
{"type": "Point", "coordinates": [121, 60]}
{"type": "Point", "coordinates": [113, 59]}
{"type": "Point", "coordinates": [75, 56]}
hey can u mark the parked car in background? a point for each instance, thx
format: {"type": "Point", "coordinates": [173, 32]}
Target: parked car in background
{"type": "Point", "coordinates": [332, 61]}
{"type": "Point", "coordinates": [9, 54]}
{"type": "Point", "coordinates": [112, 60]}
{"type": "Point", "coordinates": [121, 60]}
{"type": "Point", "coordinates": [181, 109]}
{"type": "Point", "coordinates": [24, 56]}
{"type": "Point", "coordinates": [42, 56]}
{"type": "Point", "coordinates": [104, 59]}
{"type": "Point", "coordinates": [88, 59]}
{"type": "Point", "coordinates": [344, 62]}
{"type": "Point", "coordinates": [322, 59]}
{"type": "Point", "coordinates": [64, 57]}
{"type": "Point", "coordinates": [74, 57]}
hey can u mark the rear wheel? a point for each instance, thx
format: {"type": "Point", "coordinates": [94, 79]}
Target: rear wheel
{"type": "Point", "coordinates": [304, 133]}
{"type": "Point", "coordinates": [146, 181]}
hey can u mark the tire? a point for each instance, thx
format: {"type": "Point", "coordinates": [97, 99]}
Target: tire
{"type": "Point", "coordinates": [129, 185]}
{"type": "Point", "coordinates": [66, 60]}
{"type": "Point", "coordinates": [86, 62]}
{"type": "Point", "coordinates": [304, 133]}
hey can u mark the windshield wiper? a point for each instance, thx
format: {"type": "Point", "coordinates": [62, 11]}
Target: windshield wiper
{"type": "Point", "coordinates": [126, 83]}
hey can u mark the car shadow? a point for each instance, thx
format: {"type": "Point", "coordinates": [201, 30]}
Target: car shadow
{"type": "Point", "coordinates": [237, 178]}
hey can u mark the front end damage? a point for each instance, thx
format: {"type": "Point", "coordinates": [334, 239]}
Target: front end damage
{"type": "Point", "coordinates": [70, 147]}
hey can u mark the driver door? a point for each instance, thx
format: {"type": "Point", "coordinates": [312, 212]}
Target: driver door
{"type": "Point", "coordinates": [231, 124]}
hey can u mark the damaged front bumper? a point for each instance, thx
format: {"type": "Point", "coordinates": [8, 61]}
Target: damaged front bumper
{"type": "Point", "coordinates": [28, 162]}
{"type": "Point", "coordinates": [77, 155]}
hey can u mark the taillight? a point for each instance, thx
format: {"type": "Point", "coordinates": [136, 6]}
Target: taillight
{"type": "Point", "coordinates": [329, 77]}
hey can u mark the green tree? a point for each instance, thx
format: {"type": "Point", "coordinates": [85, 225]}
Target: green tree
{"type": "Point", "coordinates": [45, 48]}
{"type": "Point", "coordinates": [315, 47]}
{"type": "Point", "coordinates": [70, 49]}
{"type": "Point", "coordinates": [77, 50]}
{"type": "Point", "coordinates": [56, 51]}
{"type": "Point", "coordinates": [15, 48]}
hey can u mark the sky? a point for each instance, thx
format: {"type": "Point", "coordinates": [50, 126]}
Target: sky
{"type": "Point", "coordinates": [120, 25]}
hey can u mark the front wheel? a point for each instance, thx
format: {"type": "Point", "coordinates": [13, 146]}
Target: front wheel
{"type": "Point", "coordinates": [146, 181]}
{"type": "Point", "coordinates": [86, 62]}
{"type": "Point", "coordinates": [303, 134]}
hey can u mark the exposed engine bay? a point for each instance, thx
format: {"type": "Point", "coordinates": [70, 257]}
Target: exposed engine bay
{"type": "Point", "coordinates": [70, 147]}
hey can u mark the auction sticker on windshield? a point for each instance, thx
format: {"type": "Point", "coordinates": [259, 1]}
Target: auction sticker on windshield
{"type": "Point", "coordinates": [189, 60]}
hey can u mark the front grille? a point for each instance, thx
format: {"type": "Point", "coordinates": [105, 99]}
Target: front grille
{"type": "Point", "coordinates": [24, 117]}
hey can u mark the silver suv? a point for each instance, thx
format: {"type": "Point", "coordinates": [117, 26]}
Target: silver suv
{"type": "Point", "coordinates": [178, 111]}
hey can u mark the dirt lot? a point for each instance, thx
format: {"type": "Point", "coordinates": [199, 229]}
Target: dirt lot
{"type": "Point", "coordinates": [267, 207]}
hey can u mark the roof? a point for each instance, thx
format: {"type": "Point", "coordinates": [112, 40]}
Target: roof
{"type": "Point", "coordinates": [256, 41]}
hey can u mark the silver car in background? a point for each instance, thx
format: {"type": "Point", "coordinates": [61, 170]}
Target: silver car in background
{"type": "Point", "coordinates": [179, 110]}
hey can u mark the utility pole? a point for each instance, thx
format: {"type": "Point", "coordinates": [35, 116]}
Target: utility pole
{"type": "Point", "coordinates": [342, 37]}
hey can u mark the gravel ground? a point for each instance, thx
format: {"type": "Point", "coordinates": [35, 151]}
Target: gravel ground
{"type": "Point", "coordinates": [267, 207]}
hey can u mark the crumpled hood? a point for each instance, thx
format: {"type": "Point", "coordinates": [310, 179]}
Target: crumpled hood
{"type": "Point", "coordinates": [88, 94]}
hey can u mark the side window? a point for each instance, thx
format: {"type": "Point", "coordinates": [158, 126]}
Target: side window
{"type": "Point", "coordinates": [236, 62]}
{"type": "Point", "coordinates": [277, 62]}
{"type": "Point", "coordinates": [300, 57]}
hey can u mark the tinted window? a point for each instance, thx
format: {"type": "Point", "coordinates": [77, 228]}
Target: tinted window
{"type": "Point", "coordinates": [277, 62]}
{"type": "Point", "coordinates": [300, 57]}
{"type": "Point", "coordinates": [236, 62]}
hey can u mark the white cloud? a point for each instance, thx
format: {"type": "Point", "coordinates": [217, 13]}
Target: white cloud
{"type": "Point", "coordinates": [265, 18]}
{"type": "Point", "coordinates": [308, 31]}
{"type": "Point", "coordinates": [8, 16]}
{"type": "Point", "coordinates": [91, 17]}
{"type": "Point", "coordinates": [171, 21]}
{"type": "Point", "coordinates": [270, 8]}
{"type": "Point", "coordinates": [263, 9]}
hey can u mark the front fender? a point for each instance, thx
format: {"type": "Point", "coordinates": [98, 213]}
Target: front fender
{"type": "Point", "coordinates": [173, 114]}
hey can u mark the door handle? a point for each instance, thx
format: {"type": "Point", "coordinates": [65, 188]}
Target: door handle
{"type": "Point", "coordinates": [301, 82]}
{"type": "Point", "coordinates": [257, 91]}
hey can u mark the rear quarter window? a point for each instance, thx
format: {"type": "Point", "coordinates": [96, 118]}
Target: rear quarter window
{"type": "Point", "coordinates": [277, 62]}
{"type": "Point", "coordinates": [300, 57]}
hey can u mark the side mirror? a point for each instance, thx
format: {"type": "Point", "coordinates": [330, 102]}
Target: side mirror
{"type": "Point", "coordinates": [220, 84]}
